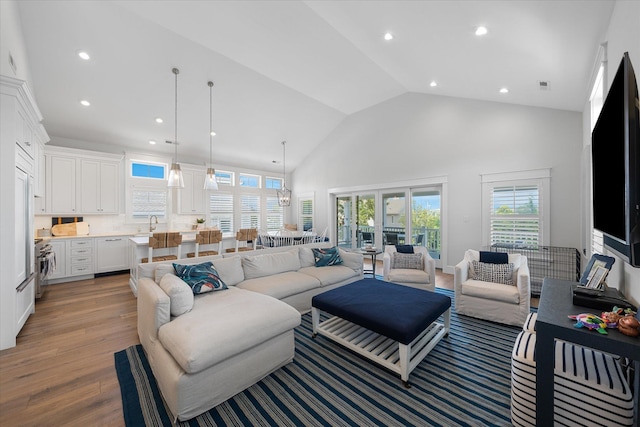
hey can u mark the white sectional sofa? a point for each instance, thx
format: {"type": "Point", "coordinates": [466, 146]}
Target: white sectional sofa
{"type": "Point", "coordinates": [230, 339]}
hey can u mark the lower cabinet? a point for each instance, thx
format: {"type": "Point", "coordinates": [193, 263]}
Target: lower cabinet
{"type": "Point", "coordinates": [112, 254]}
{"type": "Point", "coordinates": [60, 249]}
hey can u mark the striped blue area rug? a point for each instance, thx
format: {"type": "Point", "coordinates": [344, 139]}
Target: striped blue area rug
{"type": "Point", "coordinates": [464, 381]}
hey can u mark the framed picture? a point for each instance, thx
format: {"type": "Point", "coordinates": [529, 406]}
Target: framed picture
{"type": "Point", "coordinates": [596, 260]}
{"type": "Point", "coordinates": [599, 273]}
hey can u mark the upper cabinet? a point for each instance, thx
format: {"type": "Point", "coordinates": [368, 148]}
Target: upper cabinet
{"type": "Point", "coordinates": [81, 182]}
{"type": "Point", "coordinates": [192, 198]}
{"type": "Point", "coordinates": [39, 183]}
{"type": "Point", "coordinates": [99, 186]}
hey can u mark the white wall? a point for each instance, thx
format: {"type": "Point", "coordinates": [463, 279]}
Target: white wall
{"type": "Point", "coordinates": [420, 136]}
{"type": "Point", "coordinates": [623, 35]}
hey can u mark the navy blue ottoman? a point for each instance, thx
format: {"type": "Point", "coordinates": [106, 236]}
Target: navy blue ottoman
{"type": "Point", "coordinates": [392, 325]}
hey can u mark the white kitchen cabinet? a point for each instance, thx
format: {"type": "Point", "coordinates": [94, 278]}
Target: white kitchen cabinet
{"type": "Point", "coordinates": [25, 303]}
{"type": "Point", "coordinates": [80, 259]}
{"type": "Point", "coordinates": [61, 184]}
{"type": "Point", "coordinates": [112, 254]}
{"type": "Point", "coordinates": [192, 198]}
{"type": "Point", "coordinates": [60, 249]}
{"type": "Point", "coordinates": [39, 171]}
{"type": "Point", "coordinates": [98, 186]}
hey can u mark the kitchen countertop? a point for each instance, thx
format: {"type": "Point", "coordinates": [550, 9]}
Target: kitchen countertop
{"type": "Point", "coordinates": [185, 233]}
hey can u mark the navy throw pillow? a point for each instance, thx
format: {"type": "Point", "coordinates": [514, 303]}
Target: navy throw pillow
{"type": "Point", "coordinates": [200, 277]}
{"type": "Point", "coordinates": [494, 257]}
{"type": "Point", "coordinates": [404, 249]}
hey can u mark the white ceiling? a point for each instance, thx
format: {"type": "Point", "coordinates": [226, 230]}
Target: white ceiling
{"type": "Point", "coordinates": [290, 70]}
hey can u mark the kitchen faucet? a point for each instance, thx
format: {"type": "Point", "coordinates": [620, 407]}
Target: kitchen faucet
{"type": "Point", "coordinates": [152, 227]}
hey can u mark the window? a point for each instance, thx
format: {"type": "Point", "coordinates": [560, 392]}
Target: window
{"type": "Point", "coordinates": [252, 181]}
{"type": "Point", "coordinates": [224, 178]}
{"type": "Point", "coordinates": [305, 213]}
{"type": "Point", "coordinates": [221, 209]}
{"type": "Point", "coordinates": [275, 214]}
{"type": "Point", "coordinates": [147, 170]}
{"type": "Point", "coordinates": [515, 216]}
{"type": "Point", "coordinates": [149, 202]}
{"type": "Point", "coordinates": [596, 101]}
{"type": "Point", "coordinates": [273, 183]}
{"type": "Point", "coordinates": [249, 211]}
{"type": "Point", "coordinates": [516, 208]}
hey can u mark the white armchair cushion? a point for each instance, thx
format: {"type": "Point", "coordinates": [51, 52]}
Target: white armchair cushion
{"type": "Point", "coordinates": [491, 290]}
{"type": "Point", "coordinates": [515, 259]}
{"type": "Point", "coordinates": [405, 275]}
{"type": "Point", "coordinates": [496, 273]}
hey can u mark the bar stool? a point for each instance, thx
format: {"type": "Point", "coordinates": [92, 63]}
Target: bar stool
{"type": "Point", "coordinates": [207, 237]}
{"type": "Point", "coordinates": [247, 236]}
{"type": "Point", "coordinates": [161, 241]}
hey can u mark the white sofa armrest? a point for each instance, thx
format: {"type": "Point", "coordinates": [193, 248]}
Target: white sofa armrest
{"type": "Point", "coordinates": [386, 265]}
{"type": "Point", "coordinates": [524, 283]}
{"type": "Point", "coordinates": [154, 310]}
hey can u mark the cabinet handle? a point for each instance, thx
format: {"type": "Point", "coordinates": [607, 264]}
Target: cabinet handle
{"type": "Point", "coordinates": [112, 240]}
{"type": "Point", "coordinates": [81, 259]}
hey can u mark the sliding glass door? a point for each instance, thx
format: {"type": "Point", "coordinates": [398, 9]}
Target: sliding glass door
{"type": "Point", "coordinates": [366, 220]}
{"type": "Point", "coordinates": [426, 220]}
{"type": "Point", "coordinates": [344, 221]}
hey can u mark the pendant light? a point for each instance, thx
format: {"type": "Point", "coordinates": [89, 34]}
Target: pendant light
{"type": "Point", "coordinates": [284, 194]}
{"type": "Point", "coordinates": [210, 180]}
{"type": "Point", "coordinates": [175, 174]}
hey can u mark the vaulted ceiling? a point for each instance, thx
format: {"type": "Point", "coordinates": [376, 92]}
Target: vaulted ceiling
{"type": "Point", "coordinates": [290, 70]}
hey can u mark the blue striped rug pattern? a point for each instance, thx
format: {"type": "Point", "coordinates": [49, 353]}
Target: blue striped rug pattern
{"type": "Point", "coordinates": [464, 381]}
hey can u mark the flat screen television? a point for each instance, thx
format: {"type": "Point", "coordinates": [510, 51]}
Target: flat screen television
{"type": "Point", "coordinates": [615, 146]}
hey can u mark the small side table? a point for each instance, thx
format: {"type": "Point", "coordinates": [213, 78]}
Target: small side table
{"type": "Point", "coordinates": [373, 254]}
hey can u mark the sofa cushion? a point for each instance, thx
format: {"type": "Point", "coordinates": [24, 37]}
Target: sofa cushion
{"type": "Point", "coordinates": [406, 260]}
{"type": "Point", "coordinates": [180, 294]}
{"type": "Point", "coordinates": [492, 291]}
{"type": "Point", "coordinates": [270, 264]}
{"type": "Point", "coordinates": [162, 269]}
{"type": "Point", "coordinates": [516, 259]}
{"type": "Point", "coordinates": [306, 257]}
{"type": "Point", "coordinates": [497, 273]}
{"type": "Point", "coordinates": [404, 275]}
{"type": "Point", "coordinates": [404, 249]}
{"type": "Point", "coordinates": [329, 275]}
{"type": "Point", "coordinates": [200, 277]}
{"type": "Point", "coordinates": [325, 257]}
{"type": "Point", "coordinates": [230, 270]}
{"type": "Point", "coordinates": [281, 285]}
{"type": "Point", "coordinates": [352, 260]}
{"type": "Point", "coordinates": [243, 320]}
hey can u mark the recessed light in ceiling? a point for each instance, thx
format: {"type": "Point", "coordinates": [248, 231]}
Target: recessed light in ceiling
{"type": "Point", "coordinates": [152, 142]}
{"type": "Point", "coordinates": [84, 55]}
{"type": "Point", "coordinates": [85, 103]}
{"type": "Point", "coordinates": [213, 133]}
{"type": "Point", "coordinates": [388, 36]}
{"type": "Point", "coordinates": [481, 31]}
{"type": "Point", "coordinates": [159, 120]}
{"type": "Point", "coordinates": [433, 83]}
{"type": "Point", "coordinates": [504, 90]}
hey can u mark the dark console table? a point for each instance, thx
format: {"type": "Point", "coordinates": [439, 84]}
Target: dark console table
{"type": "Point", "coordinates": [556, 303]}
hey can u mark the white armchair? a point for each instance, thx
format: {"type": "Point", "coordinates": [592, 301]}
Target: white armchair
{"type": "Point", "coordinates": [497, 302]}
{"type": "Point", "coordinates": [424, 278]}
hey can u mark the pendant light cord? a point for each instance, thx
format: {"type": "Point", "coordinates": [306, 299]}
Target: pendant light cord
{"type": "Point", "coordinates": [175, 139]}
{"type": "Point", "coordinates": [210, 123]}
{"type": "Point", "coordinates": [284, 165]}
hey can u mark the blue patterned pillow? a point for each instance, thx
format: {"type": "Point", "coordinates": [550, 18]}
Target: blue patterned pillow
{"type": "Point", "coordinates": [326, 257]}
{"type": "Point", "coordinates": [200, 277]}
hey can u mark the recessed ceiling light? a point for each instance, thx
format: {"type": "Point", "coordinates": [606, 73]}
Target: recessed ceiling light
{"type": "Point", "coordinates": [433, 84]}
{"type": "Point", "coordinates": [159, 120]}
{"type": "Point", "coordinates": [152, 142]}
{"type": "Point", "coordinates": [213, 133]}
{"type": "Point", "coordinates": [388, 36]}
{"type": "Point", "coordinates": [504, 90]}
{"type": "Point", "coordinates": [481, 31]}
{"type": "Point", "coordinates": [84, 55]}
{"type": "Point", "coordinates": [85, 103]}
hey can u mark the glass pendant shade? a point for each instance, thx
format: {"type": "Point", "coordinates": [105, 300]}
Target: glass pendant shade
{"type": "Point", "coordinates": [210, 180]}
{"type": "Point", "coordinates": [175, 176]}
{"type": "Point", "coordinates": [175, 173]}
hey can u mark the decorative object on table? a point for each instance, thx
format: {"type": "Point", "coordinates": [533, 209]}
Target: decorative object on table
{"type": "Point", "coordinates": [210, 183]}
{"type": "Point", "coordinates": [284, 194]}
{"type": "Point", "coordinates": [596, 281]}
{"type": "Point", "coordinates": [612, 317]}
{"type": "Point", "coordinates": [629, 325]}
{"type": "Point", "coordinates": [175, 173]}
{"type": "Point", "coordinates": [199, 222]}
{"type": "Point", "coordinates": [596, 261]}
{"type": "Point", "coordinates": [590, 321]}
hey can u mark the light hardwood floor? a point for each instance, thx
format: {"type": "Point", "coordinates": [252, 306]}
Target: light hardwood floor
{"type": "Point", "coordinates": [62, 371]}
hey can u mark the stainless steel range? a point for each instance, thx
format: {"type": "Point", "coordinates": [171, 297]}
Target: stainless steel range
{"type": "Point", "coordinates": [45, 264]}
